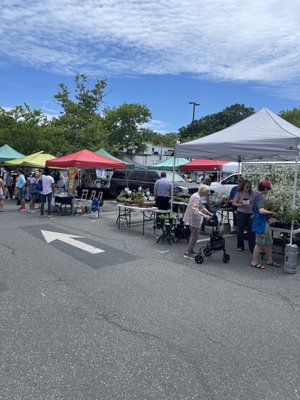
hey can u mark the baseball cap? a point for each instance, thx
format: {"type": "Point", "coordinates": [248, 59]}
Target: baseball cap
{"type": "Point", "coordinates": [266, 184]}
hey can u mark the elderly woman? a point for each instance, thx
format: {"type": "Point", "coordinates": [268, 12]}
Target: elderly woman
{"type": "Point", "coordinates": [193, 216]}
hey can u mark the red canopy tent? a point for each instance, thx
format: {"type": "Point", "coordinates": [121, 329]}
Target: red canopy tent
{"type": "Point", "coordinates": [85, 159]}
{"type": "Point", "coordinates": [203, 165]}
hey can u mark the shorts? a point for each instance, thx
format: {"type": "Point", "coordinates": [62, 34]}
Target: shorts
{"type": "Point", "coordinates": [34, 195]}
{"type": "Point", "coordinates": [264, 238]}
{"type": "Point", "coordinates": [2, 196]}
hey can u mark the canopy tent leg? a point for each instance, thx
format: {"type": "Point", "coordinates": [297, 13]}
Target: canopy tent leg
{"type": "Point", "coordinates": [294, 197]}
{"type": "Point", "coordinates": [239, 165]}
{"type": "Point", "coordinates": [173, 179]}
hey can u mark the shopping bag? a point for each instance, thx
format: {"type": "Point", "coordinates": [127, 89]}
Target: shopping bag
{"type": "Point", "coordinates": [226, 228]}
{"type": "Point", "coordinates": [39, 185]}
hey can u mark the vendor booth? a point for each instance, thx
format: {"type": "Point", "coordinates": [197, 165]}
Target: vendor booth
{"type": "Point", "coordinates": [263, 135]}
{"type": "Point", "coordinates": [203, 165]}
{"type": "Point", "coordinates": [35, 160]}
{"type": "Point", "coordinates": [167, 165]}
{"type": "Point", "coordinates": [8, 153]}
{"type": "Point", "coordinates": [82, 159]}
{"type": "Point", "coordinates": [104, 153]}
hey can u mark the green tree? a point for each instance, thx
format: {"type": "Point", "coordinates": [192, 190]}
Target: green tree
{"type": "Point", "coordinates": [79, 123]}
{"type": "Point", "coordinates": [23, 128]}
{"type": "Point", "coordinates": [122, 125]}
{"type": "Point", "coordinates": [168, 139]}
{"type": "Point", "coordinates": [292, 116]}
{"type": "Point", "coordinates": [214, 122]}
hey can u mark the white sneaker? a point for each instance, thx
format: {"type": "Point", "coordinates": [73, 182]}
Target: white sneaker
{"type": "Point", "coordinates": [188, 255]}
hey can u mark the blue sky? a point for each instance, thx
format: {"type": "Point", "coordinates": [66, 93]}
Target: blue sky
{"type": "Point", "coordinates": [160, 53]}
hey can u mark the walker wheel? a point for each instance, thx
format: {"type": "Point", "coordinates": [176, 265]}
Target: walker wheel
{"type": "Point", "coordinates": [226, 258]}
{"type": "Point", "coordinates": [207, 252]}
{"type": "Point", "coordinates": [199, 259]}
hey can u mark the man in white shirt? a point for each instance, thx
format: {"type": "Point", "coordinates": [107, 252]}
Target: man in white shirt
{"type": "Point", "coordinates": [47, 191]}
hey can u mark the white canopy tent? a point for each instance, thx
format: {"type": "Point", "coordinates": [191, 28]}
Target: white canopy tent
{"type": "Point", "coordinates": [263, 135]}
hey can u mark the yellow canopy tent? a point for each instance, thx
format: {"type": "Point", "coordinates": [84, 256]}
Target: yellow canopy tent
{"type": "Point", "coordinates": [35, 160]}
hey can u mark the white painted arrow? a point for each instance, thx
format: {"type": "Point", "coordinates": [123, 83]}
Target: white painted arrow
{"type": "Point", "coordinates": [66, 238]}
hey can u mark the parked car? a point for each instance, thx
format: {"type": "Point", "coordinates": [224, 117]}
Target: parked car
{"type": "Point", "coordinates": [225, 185]}
{"type": "Point", "coordinates": [146, 178]}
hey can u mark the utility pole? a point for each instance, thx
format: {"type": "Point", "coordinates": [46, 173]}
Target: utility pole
{"type": "Point", "coordinates": [194, 104]}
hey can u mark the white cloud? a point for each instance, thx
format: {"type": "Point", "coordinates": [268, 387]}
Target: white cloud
{"type": "Point", "coordinates": [156, 126]}
{"type": "Point", "coordinates": [233, 40]}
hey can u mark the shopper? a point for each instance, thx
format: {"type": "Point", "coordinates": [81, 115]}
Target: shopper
{"type": "Point", "coordinates": [34, 193]}
{"type": "Point", "coordinates": [2, 194]}
{"type": "Point", "coordinates": [229, 201]}
{"type": "Point", "coordinates": [205, 200]}
{"type": "Point", "coordinates": [244, 201]}
{"type": "Point", "coordinates": [260, 226]}
{"type": "Point", "coordinates": [47, 191]}
{"type": "Point", "coordinates": [193, 216]}
{"type": "Point", "coordinates": [20, 186]}
{"type": "Point", "coordinates": [162, 192]}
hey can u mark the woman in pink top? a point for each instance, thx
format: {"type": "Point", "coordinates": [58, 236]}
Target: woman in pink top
{"type": "Point", "coordinates": [244, 200]}
{"type": "Point", "coordinates": [193, 216]}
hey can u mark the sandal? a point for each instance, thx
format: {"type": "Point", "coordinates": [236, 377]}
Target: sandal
{"type": "Point", "coordinates": [273, 264]}
{"type": "Point", "coordinates": [259, 266]}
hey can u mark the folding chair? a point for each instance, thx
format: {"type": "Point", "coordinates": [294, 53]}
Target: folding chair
{"type": "Point", "coordinates": [99, 197]}
{"type": "Point", "coordinates": [93, 195]}
{"type": "Point", "coordinates": [90, 200]}
{"type": "Point", "coordinates": [82, 203]}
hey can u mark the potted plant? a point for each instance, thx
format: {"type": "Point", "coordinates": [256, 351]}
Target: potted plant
{"type": "Point", "coordinates": [287, 216]}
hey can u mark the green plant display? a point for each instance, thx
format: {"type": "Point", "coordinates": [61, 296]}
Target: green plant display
{"type": "Point", "coordinates": [279, 199]}
{"type": "Point", "coordinates": [167, 216]}
{"type": "Point", "coordinates": [131, 197]}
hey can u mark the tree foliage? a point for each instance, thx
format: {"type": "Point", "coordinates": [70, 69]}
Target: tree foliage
{"type": "Point", "coordinates": [214, 122]}
{"type": "Point", "coordinates": [79, 124]}
{"type": "Point", "coordinates": [23, 129]}
{"type": "Point", "coordinates": [292, 116]}
{"type": "Point", "coordinates": [122, 126]}
{"type": "Point", "coordinates": [158, 139]}
{"type": "Point", "coordinates": [84, 123]}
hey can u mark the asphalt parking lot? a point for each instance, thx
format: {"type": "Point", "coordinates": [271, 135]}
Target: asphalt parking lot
{"type": "Point", "coordinates": [136, 320]}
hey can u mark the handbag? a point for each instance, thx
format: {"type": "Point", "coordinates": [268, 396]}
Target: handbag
{"type": "Point", "coordinates": [39, 185]}
{"type": "Point", "coordinates": [226, 228]}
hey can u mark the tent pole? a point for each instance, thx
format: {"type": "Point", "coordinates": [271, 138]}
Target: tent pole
{"type": "Point", "coordinates": [239, 165]}
{"type": "Point", "coordinates": [173, 178]}
{"type": "Point", "coordinates": [294, 197]}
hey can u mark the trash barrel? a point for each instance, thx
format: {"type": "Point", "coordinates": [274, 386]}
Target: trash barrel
{"type": "Point", "coordinates": [290, 259]}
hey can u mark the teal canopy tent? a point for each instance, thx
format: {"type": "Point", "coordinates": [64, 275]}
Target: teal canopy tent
{"type": "Point", "coordinates": [167, 165]}
{"type": "Point", "coordinates": [104, 153]}
{"type": "Point", "coordinates": [8, 153]}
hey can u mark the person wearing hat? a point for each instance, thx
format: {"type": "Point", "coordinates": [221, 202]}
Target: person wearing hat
{"type": "Point", "coordinates": [261, 227]}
